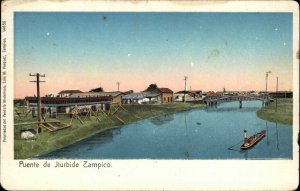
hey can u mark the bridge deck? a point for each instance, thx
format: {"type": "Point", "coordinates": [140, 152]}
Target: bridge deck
{"type": "Point", "coordinates": [236, 98]}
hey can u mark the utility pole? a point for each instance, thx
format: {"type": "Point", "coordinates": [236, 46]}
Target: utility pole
{"type": "Point", "coordinates": [267, 74]}
{"type": "Point", "coordinates": [276, 92]}
{"type": "Point", "coordinates": [39, 103]}
{"type": "Point", "coordinates": [185, 78]}
{"type": "Point", "coordinates": [118, 84]}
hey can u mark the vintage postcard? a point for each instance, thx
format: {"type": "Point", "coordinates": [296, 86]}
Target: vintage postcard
{"type": "Point", "coordinates": [149, 95]}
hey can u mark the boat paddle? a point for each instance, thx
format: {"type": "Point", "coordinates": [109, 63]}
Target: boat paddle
{"type": "Point", "coordinates": [231, 148]}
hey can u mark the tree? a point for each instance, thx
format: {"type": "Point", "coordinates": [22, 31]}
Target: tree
{"type": "Point", "coordinates": [151, 88]}
{"type": "Point", "coordinates": [100, 89]}
{"type": "Point", "coordinates": [128, 92]}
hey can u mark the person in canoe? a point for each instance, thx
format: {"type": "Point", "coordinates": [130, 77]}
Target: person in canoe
{"type": "Point", "coordinates": [251, 141]}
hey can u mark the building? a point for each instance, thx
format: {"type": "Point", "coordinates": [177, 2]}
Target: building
{"type": "Point", "coordinates": [154, 97]}
{"type": "Point", "coordinates": [157, 96]}
{"type": "Point", "coordinates": [189, 95]}
{"type": "Point", "coordinates": [212, 95]}
{"type": "Point", "coordinates": [138, 97]}
{"type": "Point", "coordinates": [228, 93]}
{"type": "Point", "coordinates": [254, 93]}
{"type": "Point", "coordinates": [281, 94]}
{"type": "Point", "coordinates": [75, 98]}
{"type": "Point", "coordinates": [116, 96]}
{"type": "Point", "coordinates": [220, 93]}
{"type": "Point", "coordinates": [141, 98]}
{"type": "Point", "coordinates": [67, 93]}
{"type": "Point", "coordinates": [54, 105]}
{"type": "Point", "coordinates": [166, 95]}
{"type": "Point", "coordinates": [196, 93]}
{"type": "Point", "coordinates": [51, 95]}
{"type": "Point", "coordinates": [180, 96]}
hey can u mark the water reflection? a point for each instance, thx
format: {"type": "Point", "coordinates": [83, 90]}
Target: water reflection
{"type": "Point", "coordinates": [89, 144]}
{"type": "Point", "coordinates": [271, 136]}
{"type": "Point", "coordinates": [161, 120]}
{"type": "Point", "coordinates": [277, 137]}
{"type": "Point", "coordinates": [103, 137]}
{"type": "Point", "coordinates": [195, 134]}
{"type": "Point", "coordinates": [186, 153]}
{"type": "Point", "coordinates": [268, 142]}
{"type": "Point", "coordinates": [245, 153]}
{"type": "Point", "coordinates": [231, 109]}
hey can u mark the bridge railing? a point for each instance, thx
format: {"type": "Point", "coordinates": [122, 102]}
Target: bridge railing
{"type": "Point", "coordinates": [235, 98]}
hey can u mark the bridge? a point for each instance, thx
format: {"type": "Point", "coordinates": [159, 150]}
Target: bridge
{"type": "Point", "coordinates": [214, 101]}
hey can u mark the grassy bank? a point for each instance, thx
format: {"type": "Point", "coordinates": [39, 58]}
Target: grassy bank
{"type": "Point", "coordinates": [284, 112]}
{"type": "Point", "coordinates": [49, 141]}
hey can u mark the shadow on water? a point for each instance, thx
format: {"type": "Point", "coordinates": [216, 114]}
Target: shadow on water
{"type": "Point", "coordinates": [103, 137]}
{"type": "Point", "coordinates": [268, 137]}
{"type": "Point", "coordinates": [161, 120]}
{"type": "Point", "coordinates": [245, 152]}
{"type": "Point", "coordinates": [234, 147]}
{"type": "Point", "coordinates": [277, 137]}
{"type": "Point", "coordinates": [186, 153]}
{"type": "Point", "coordinates": [194, 134]}
{"type": "Point", "coordinates": [230, 109]}
{"type": "Point", "coordinates": [268, 142]}
{"type": "Point", "coordinates": [95, 140]}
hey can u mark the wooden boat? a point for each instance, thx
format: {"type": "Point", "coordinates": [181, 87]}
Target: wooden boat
{"type": "Point", "coordinates": [251, 141]}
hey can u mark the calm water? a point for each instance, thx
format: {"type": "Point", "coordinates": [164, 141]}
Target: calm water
{"type": "Point", "coordinates": [214, 133]}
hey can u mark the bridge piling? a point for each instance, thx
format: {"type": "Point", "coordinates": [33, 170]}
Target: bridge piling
{"type": "Point", "coordinates": [215, 101]}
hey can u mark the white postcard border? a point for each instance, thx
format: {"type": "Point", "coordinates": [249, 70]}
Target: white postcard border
{"type": "Point", "coordinates": [149, 174]}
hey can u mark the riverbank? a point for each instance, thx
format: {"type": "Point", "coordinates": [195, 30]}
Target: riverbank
{"type": "Point", "coordinates": [284, 114]}
{"type": "Point", "coordinates": [49, 141]}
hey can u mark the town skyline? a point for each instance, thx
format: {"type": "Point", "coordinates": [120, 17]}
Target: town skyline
{"type": "Point", "coordinates": [188, 88]}
{"type": "Point", "coordinates": [215, 50]}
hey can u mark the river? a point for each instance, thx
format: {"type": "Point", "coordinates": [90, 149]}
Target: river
{"type": "Point", "coordinates": [210, 133]}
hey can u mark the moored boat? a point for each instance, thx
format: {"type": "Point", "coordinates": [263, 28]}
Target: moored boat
{"type": "Point", "coordinates": [251, 141]}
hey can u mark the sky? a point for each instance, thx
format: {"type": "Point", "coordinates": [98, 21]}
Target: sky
{"type": "Point", "coordinates": [214, 50]}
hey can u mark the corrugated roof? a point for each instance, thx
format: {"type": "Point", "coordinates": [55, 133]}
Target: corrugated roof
{"type": "Point", "coordinates": [151, 95]}
{"type": "Point", "coordinates": [59, 100]}
{"type": "Point", "coordinates": [196, 91]}
{"type": "Point", "coordinates": [69, 104]}
{"type": "Point", "coordinates": [69, 91]}
{"type": "Point", "coordinates": [95, 94]}
{"type": "Point", "coordinates": [138, 95]}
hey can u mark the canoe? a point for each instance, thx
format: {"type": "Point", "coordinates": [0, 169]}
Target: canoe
{"type": "Point", "coordinates": [251, 141]}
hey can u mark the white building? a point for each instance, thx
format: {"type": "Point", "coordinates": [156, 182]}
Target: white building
{"type": "Point", "coordinates": [189, 96]}
{"type": "Point", "coordinates": [141, 98]}
{"type": "Point", "coordinates": [67, 93]}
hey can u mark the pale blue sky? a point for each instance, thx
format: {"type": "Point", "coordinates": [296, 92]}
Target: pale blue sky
{"type": "Point", "coordinates": [153, 47]}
